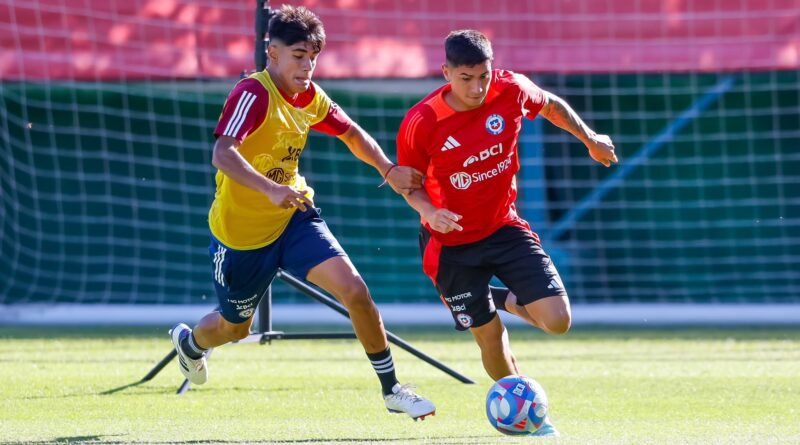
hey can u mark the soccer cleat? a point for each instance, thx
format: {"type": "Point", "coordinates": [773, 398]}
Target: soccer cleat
{"type": "Point", "coordinates": [194, 370]}
{"type": "Point", "coordinates": [546, 430]}
{"type": "Point", "coordinates": [404, 400]}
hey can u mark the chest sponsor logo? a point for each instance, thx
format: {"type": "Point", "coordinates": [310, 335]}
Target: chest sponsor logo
{"type": "Point", "coordinates": [460, 180]}
{"type": "Point", "coordinates": [463, 181]}
{"type": "Point", "coordinates": [280, 175]}
{"type": "Point", "coordinates": [282, 172]}
{"type": "Point", "coordinates": [294, 154]}
{"type": "Point", "coordinates": [495, 124]}
{"type": "Point", "coordinates": [494, 150]}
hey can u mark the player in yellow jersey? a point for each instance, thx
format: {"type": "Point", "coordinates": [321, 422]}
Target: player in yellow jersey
{"type": "Point", "coordinates": [263, 216]}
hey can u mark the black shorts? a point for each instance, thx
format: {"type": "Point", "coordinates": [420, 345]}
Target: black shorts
{"type": "Point", "coordinates": [462, 273]}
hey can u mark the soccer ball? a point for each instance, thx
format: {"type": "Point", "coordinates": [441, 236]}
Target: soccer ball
{"type": "Point", "coordinates": [516, 405]}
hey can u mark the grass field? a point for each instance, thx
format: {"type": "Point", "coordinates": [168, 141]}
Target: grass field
{"type": "Point", "coordinates": [606, 386]}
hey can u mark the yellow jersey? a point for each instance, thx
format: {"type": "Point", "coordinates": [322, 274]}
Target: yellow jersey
{"type": "Point", "coordinates": [240, 217]}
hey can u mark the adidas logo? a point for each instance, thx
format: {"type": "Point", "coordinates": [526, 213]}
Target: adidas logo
{"type": "Point", "coordinates": [555, 283]}
{"type": "Point", "coordinates": [450, 143]}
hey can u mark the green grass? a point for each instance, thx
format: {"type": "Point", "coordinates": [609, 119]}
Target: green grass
{"type": "Point", "coordinates": [606, 386]}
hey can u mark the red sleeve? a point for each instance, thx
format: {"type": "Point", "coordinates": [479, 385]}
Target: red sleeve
{"type": "Point", "coordinates": [410, 150]}
{"type": "Point", "coordinates": [244, 110]}
{"type": "Point", "coordinates": [336, 122]}
{"type": "Point", "coordinates": [532, 96]}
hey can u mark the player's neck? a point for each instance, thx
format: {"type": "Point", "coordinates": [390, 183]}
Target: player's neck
{"type": "Point", "coordinates": [452, 101]}
{"type": "Point", "coordinates": [280, 85]}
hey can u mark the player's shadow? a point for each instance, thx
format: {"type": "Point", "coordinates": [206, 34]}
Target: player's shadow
{"type": "Point", "coordinates": [103, 393]}
{"type": "Point", "coordinates": [83, 439]}
{"type": "Point", "coordinates": [442, 441]}
{"type": "Point", "coordinates": [121, 388]}
{"type": "Point", "coordinates": [109, 440]}
{"type": "Point", "coordinates": [66, 440]}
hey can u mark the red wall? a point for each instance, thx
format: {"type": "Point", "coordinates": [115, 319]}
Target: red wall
{"type": "Point", "coordinates": [146, 39]}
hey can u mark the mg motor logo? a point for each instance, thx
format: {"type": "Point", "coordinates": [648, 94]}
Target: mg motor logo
{"type": "Point", "coordinates": [494, 150]}
{"type": "Point", "coordinates": [460, 180]}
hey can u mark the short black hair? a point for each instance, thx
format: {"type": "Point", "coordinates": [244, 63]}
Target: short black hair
{"type": "Point", "coordinates": [467, 47]}
{"type": "Point", "coordinates": [292, 24]}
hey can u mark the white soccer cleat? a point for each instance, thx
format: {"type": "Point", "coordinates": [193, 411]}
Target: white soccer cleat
{"type": "Point", "coordinates": [404, 400]}
{"type": "Point", "coordinates": [546, 430]}
{"type": "Point", "coordinates": [194, 370]}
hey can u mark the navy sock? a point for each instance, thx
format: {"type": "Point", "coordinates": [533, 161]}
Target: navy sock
{"type": "Point", "coordinates": [384, 366]}
{"type": "Point", "coordinates": [499, 295]}
{"type": "Point", "coordinates": [190, 348]}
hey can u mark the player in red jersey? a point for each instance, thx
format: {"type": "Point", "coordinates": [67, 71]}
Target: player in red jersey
{"type": "Point", "coordinates": [464, 137]}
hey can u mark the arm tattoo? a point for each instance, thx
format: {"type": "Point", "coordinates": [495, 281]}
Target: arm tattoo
{"type": "Point", "coordinates": [563, 116]}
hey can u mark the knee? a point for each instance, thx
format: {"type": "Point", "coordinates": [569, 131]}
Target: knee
{"type": "Point", "coordinates": [558, 324]}
{"type": "Point", "coordinates": [355, 295]}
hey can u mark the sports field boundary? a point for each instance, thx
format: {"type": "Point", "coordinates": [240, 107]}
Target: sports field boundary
{"type": "Point", "coordinates": [403, 314]}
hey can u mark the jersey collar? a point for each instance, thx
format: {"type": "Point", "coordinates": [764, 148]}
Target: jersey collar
{"type": "Point", "coordinates": [444, 110]}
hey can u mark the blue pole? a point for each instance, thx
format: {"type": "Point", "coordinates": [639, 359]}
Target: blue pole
{"type": "Point", "coordinates": [532, 183]}
{"type": "Point", "coordinates": [627, 166]}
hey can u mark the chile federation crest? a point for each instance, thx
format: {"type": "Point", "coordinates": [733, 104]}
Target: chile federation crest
{"type": "Point", "coordinates": [495, 124]}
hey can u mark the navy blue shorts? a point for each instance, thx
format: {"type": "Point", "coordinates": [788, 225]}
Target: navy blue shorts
{"type": "Point", "coordinates": [241, 277]}
{"type": "Point", "coordinates": [462, 273]}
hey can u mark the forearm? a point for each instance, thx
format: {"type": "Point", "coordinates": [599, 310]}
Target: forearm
{"type": "Point", "coordinates": [366, 148]}
{"type": "Point", "coordinates": [234, 166]}
{"type": "Point", "coordinates": [558, 112]}
{"type": "Point", "coordinates": [421, 202]}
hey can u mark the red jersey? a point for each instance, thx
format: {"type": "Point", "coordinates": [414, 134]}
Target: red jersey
{"type": "Point", "coordinates": [470, 158]}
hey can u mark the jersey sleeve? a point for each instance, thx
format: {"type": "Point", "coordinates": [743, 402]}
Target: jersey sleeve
{"type": "Point", "coordinates": [410, 149]}
{"type": "Point", "coordinates": [336, 122]}
{"type": "Point", "coordinates": [244, 110]}
{"type": "Point", "coordinates": [533, 97]}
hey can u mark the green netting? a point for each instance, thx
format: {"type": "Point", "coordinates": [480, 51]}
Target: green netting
{"type": "Point", "coordinates": [105, 189]}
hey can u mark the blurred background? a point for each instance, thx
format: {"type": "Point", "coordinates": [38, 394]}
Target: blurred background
{"type": "Point", "coordinates": [107, 109]}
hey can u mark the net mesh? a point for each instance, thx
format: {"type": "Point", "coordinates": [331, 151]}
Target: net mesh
{"type": "Point", "coordinates": [105, 174]}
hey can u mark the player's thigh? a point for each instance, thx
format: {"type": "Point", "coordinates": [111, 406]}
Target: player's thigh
{"type": "Point", "coordinates": [465, 292]}
{"type": "Point", "coordinates": [306, 243]}
{"type": "Point", "coordinates": [241, 278]}
{"type": "Point", "coordinates": [339, 277]}
{"type": "Point", "coordinates": [460, 278]}
{"type": "Point", "coordinates": [553, 314]}
{"type": "Point", "coordinates": [524, 267]}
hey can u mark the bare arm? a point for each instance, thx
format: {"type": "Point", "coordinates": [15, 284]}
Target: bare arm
{"type": "Point", "coordinates": [227, 159]}
{"type": "Point", "coordinates": [402, 179]}
{"type": "Point", "coordinates": [440, 219]}
{"type": "Point", "coordinates": [558, 112]}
